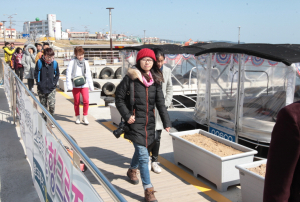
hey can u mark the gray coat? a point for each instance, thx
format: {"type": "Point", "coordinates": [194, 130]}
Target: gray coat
{"type": "Point", "coordinates": [167, 89]}
{"type": "Point", "coordinates": [28, 62]}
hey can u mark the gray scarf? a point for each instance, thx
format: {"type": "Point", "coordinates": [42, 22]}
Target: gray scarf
{"type": "Point", "coordinates": [80, 63]}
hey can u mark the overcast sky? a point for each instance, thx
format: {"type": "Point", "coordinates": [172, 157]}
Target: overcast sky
{"type": "Point", "coordinates": [261, 21]}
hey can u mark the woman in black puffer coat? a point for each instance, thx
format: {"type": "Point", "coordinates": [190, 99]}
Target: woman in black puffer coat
{"type": "Point", "coordinates": [147, 79]}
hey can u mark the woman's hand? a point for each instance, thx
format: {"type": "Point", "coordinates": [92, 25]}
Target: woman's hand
{"type": "Point", "coordinates": [167, 129]}
{"type": "Point", "coordinates": [131, 120]}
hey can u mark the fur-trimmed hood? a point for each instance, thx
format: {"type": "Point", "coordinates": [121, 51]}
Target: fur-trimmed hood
{"type": "Point", "coordinates": [30, 46]}
{"type": "Point", "coordinates": [134, 73]}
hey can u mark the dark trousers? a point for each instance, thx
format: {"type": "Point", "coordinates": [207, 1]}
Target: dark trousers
{"type": "Point", "coordinates": [20, 72]}
{"type": "Point", "coordinates": [154, 148]}
{"type": "Point", "coordinates": [30, 83]}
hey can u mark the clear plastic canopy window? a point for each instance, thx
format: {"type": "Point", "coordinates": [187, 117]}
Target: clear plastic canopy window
{"type": "Point", "coordinates": [247, 108]}
{"type": "Point", "coordinates": [183, 67]}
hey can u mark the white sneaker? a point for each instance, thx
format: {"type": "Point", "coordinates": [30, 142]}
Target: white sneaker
{"type": "Point", "coordinates": [77, 119]}
{"type": "Point", "coordinates": [149, 164]}
{"type": "Point", "coordinates": [52, 125]}
{"type": "Point", "coordinates": [156, 168]}
{"type": "Point", "coordinates": [85, 121]}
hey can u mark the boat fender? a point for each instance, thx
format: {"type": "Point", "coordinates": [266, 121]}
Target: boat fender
{"type": "Point", "coordinates": [118, 73]}
{"type": "Point", "coordinates": [108, 88]}
{"type": "Point", "coordinates": [106, 73]}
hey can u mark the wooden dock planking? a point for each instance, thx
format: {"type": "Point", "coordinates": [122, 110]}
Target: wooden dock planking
{"type": "Point", "coordinates": [113, 156]}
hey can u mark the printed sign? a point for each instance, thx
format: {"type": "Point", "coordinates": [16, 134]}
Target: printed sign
{"type": "Point", "coordinates": [54, 176]}
{"type": "Point", "coordinates": [222, 131]}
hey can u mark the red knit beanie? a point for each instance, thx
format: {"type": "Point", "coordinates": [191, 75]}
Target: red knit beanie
{"type": "Point", "coordinates": [145, 52]}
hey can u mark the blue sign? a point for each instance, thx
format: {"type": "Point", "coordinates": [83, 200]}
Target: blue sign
{"type": "Point", "coordinates": [221, 133]}
{"type": "Point", "coordinates": [25, 35]}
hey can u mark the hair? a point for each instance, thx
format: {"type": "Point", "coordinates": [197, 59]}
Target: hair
{"type": "Point", "coordinates": [24, 46]}
{"type": "Point", "coordinates": [31, 49]}
{"type": "Point", "coordinates": [37, 44]}
{"type": "Point", "coordinates": [78, 50]}
{"type": "Point", "coordinates": [155, 71]}
{"type": "Point", "coordinates": [49, 51]}
{"type": "Point", "coordinates": [46, 44]}
{"type": "Point", "coordinates": [7, 43]}
{"type": "Point", "coordinates": [158, 53]}
{"type": "Point", "coordinates": [12, 43]}
{"type": "Point", "coordinates": [18, 49]}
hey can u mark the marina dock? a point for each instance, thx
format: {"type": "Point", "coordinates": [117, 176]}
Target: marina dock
{"type": "Point", "coordinates": [113, 156]}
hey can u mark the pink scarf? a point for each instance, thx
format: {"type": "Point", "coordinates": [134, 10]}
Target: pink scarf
{"type": "Point", "coordinates": [19, 57]}
{"type": "Point", "coordinates": [146, 83]}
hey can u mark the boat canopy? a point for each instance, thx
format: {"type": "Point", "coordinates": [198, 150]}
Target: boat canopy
{"type": "Point", "coordinates": [285, 53]}
{"type": "Point", "coordinates": [168, 48]}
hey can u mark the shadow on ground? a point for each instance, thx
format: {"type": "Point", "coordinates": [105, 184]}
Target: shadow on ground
{"type": "Point", "coordinates": [115, 159]}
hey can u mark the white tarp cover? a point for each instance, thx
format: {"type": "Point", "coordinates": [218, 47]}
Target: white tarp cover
{"type": "Point", "coordinates": [266, 87]}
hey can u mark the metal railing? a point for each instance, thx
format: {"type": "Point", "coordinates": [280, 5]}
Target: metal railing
{"type": "Point", "coordinates": [109, 188]}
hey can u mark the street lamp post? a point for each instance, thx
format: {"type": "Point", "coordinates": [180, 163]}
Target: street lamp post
{"type": "Point", "coordinates": [10, 17]}
{"type": "Point", "coordinates": [110, 27]}
{"type": "Point", "coordinates": [144, 36]}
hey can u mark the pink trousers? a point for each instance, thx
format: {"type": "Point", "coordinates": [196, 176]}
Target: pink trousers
{"type": "Point", "coordinates": [85, 97]}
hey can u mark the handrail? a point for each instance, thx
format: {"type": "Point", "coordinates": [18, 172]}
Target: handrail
{"type": "Point", "coordinates": [191, 76]}
{"type": "Point", "coordinates": [109, 188]}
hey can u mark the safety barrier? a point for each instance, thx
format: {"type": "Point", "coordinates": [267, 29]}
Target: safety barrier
{"type": "Point", "coordinates": [55, 174]}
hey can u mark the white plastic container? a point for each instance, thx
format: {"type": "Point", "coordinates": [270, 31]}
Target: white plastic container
{"type": "Point", "coordinates": [252, 184]}
{"type": "Point", "coordinates": [219, 170]}
{"type": "Point", "coordinates": [66, 62]}
{"type": "Point", "coordinates": [100, 62]}
{"type": "Point", "coordinates": [115, 115]}
{"type": "Point", "coordinates": [94, 97]}
{"type": "Point", "coordinates": [62, 84]}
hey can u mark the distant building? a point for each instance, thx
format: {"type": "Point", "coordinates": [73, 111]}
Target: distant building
{"type": "Point", "coordinates": [150, 40]}
{"type": "Point", "coordinates": [50, 27]}
{"type": "Point", "coordinates": [8, 33]}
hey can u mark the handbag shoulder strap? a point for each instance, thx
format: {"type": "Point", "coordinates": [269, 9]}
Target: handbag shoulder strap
{"type": "Point", "coordinates": [131, 90]}
{"type": "Point", "coordinates": [74, 69]}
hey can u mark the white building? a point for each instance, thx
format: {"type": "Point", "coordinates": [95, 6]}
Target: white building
{"type": "Point", "coordinates": [8, 33]}
{"type": "Point", "coordinates": [50, 27]}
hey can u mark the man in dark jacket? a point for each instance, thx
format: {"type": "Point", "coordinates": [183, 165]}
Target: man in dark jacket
{"type": "Point", "coordinates": [282, 182]}
{"type": "Point", "coordinates": [46, 74]}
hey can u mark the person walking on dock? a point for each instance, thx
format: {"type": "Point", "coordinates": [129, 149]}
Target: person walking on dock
{"type": "Point", "coordinates": [12, 46]}
{"type": "Point", "coordinates": [39, 47]}
{"type": "Point", "coordinates": [167, 89]}
{"type": "Point", "coordinates": [79, 81]}
{"type": "Point", "coordinates": [28, 61]}
{"type": "Point", "coordinates": [17, 63]}
{"type": "Point", "coordinates": [8, 53]}
{"type": "Point", "coordinates": [144, 82]}
{"type": "Point", "coordinates": [46, 74]}
{"type": "Point", "coordinates": [39, 55]}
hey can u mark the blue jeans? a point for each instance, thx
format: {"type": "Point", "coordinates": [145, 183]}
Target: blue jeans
{"type": "Point", "coordinates": [140, 160]}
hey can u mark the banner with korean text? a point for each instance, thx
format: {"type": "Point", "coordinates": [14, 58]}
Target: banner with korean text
{"type": "Point", "coordinates": [54, 176]}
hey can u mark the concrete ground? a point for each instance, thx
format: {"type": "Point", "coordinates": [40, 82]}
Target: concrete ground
{"type": "Point", "coordinates": [16, 184]}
